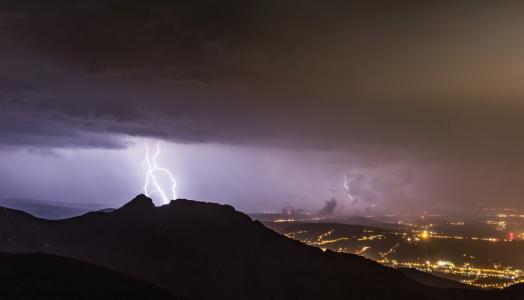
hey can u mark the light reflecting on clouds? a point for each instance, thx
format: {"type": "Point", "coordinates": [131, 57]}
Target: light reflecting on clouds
{"type": "Point", "coordinates": [250, 178]}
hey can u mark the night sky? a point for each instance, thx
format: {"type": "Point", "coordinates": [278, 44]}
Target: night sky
{"type": "Point", "coordinates": [265, 104]}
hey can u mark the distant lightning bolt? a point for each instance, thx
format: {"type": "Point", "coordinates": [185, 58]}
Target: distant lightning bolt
{"type": "Point", "coordinates": [347, 187]}
{"type": "Point", "coordinates": [151, 185]}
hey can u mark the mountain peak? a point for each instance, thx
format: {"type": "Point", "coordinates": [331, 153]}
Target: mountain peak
{"type": "Point", "coordinates": [140, 202]}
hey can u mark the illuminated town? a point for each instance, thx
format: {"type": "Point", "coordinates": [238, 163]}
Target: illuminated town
{"type": "Point", "coordinates": [464, 250]}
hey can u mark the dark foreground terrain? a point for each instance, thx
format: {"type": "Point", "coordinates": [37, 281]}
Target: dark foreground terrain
{"type": "Point", "coordinates": [44, 276]}
{"type": "Point", "coordinates": [210, 251]}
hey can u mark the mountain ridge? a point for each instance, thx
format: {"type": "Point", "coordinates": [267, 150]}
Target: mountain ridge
{"type": "Point", "coordinates": [202, 250]}
{"type": "Point", "coordinates": [49, 209]}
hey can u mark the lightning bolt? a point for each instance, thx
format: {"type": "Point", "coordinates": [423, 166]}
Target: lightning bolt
{"type": "Point", "coordinates": [152, 185]}
{"type": "Point", "coordinates": [347, 187]}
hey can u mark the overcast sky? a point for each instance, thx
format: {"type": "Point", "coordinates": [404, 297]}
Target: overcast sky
{"type": "Point", "coordinates": [265, 104]}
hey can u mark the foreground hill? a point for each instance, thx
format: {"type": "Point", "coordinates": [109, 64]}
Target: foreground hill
{"type": "Point", "coordinates": [210, 251]}
{"type": "Point", "coordinates": [43, 276]}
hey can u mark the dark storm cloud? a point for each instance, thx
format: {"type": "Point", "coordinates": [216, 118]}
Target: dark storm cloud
{"type": "Point", "coordinates": [337, 74]}
{"type": "Point", "coordinates": [328, 208]}
{"type": "Point", "coordinates": [26, 126]}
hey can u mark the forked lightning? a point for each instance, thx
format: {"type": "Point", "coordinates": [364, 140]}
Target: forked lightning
{"type": "Point", "coordinates": [152, 184]}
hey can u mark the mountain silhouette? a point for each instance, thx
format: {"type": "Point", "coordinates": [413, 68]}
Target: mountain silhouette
{"type": "Point", "coordinates": [48, 209]}
{"type": "Point", "coordinates": [44, 276]}
{"type": "Point", "coordinates": [210, 251]}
